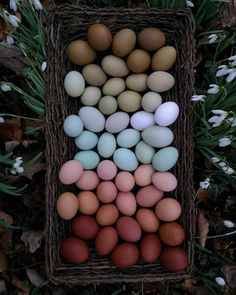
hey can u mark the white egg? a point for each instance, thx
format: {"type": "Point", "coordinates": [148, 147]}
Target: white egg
{"type": "Point", "coordinates": [74, 83]}
{"type": "Point", "coordinates": [142, 120]}
{"type": "Point", "coordinates": [166, 113]}
{"type": "Point", "coordinates": [92, 118]}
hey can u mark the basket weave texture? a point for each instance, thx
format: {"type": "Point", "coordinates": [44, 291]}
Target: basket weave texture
{"type": "Point", "coordinates": [71, 22]}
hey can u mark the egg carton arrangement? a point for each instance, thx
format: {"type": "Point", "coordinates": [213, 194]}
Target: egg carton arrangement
{"type": "Point", "coordinates": [119, 196]}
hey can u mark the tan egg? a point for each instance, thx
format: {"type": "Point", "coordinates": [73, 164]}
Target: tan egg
{"type": "Point", "coordinates": [123, 42]}
{"type": "Point", "coordinates": [129, 101]}
{"type": "Point", "coordinates": [80, 52]}
{"type": "Point", "coordinates": [94, 75]}
{"type": "Point", "coordinates": [137, 82]}
{"type": "Point", "coordinates": [107, 215]}
{"type": "Point", "coordinates": [164, 58]}
{"type": "Point", "coordinates": [168, 209]}
{"type": "Point", "coordinates": [88, 202]}
{"type": "Point", "coordinates": [160, 81]}
{"type": "Point", "coordinates": [151, 39]}
{"type": "Point", "coordinates": [114, 66]}
{"type": "Point", "coordinates": [138, 61]}
{"type": "Point", "coordinates": [67, 205]}
{"type": "Point", "coordinates": [99, 37]}
{"type": "Point", "coordinates": [113, 87]}
{"type": "Point", "coordinates": [147, 220]}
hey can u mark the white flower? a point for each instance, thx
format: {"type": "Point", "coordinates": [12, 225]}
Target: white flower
{"type": "Point", "coordinates": [198, 98]}
{"type": "Point", "coordinates": [231, 76]}
{"type": "Point", "coordinates": [5, 87]}
{"type": "Point", "coordinates": [17, 166]}
{"type": "Point", "coordinates": [212, 38]}
{"type": "Point", "coordinates": [224, 141]}
{"type": "Point", "coordinates": [213, 89]}
{"type": "Point", "coordinates": [233, 123]}
{"type": "Point", "coordinates": [222, 71]}
{"type": "Point", "coordinates": [222, 164]}
{"type": "Point", "coordinates": [218, 120]}
{"type": "Point", "coordinates": [228, 223]}
{"type": "Point", "coordinates": [44, 66]}
{"type": "Point", "coordinates": [228, 170]}
{"type": "Point", "coordinates": [20, 169]}
{"type": "Point", "coordinates": [37, 5]}
{"type": "Point", "coordinates": [14, 20]}
{"type": "Point", "coordinates": [2, 120]}
{"type": "Point", "coordinates": [13, 4]}
{"type": "Point", "coordinates": [232, 59]}
{"type": "Point", "coordinates": [205, 184]}
{"type": "Point", "coordinates": [9, 40]}
{"type": "Point", "coordinates": [215, 160]}
{"type": "Point", "coordinates": [220, 281]}
{"type": "Point", "coordinates": [220, 112]}
{"type": "Point", "coordinates": [189, 3]}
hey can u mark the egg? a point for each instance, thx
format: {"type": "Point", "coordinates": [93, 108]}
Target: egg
{"type": "Point", "coordinates": [128, 229]}
{"type": "Point", "coordinates": [107, 105]}
{"type": "Point", "coordinates": [88, 181]}
{"type": "Point", "coordinates": [67, 205]}
{"type": "Point", "coordinates": [124, 181]}
{"type": "Point", "coordinates": [125, 159]}
{"type": "Point", "coordinates": [151, 101]}
{"type": "Point", "coordinates": [137, 82]}
{"type": "Point", "coordinates": [70, 172]}
{"type": "Point", "coordinates": [168, 209]}
{"type": "Point", "coordinates": [164, 58]}
{"type": "Point", "coordinates": [74, 250]}
{"type": "Point", "coordinates": [148, 196]}
{"type": "Point", "coordinates": [85, 227]}
{"type": "Point", "coordinates": [123, 42]}
{"type": "Point", "coordinates": [142, 120]}
{"type": "Point", "coordinates": [91, 96]}
{"type": "Point", "coordinates": [171, 233]}
{"type": "Point", "coordinates": [117, 122]}
{"type": "Point", "coordinates": [150, 248]}
{"type": "Point", "coordinates": [74, 84]}
{"type": "Point", "coordinates": [80, 52]}
{"type": "Point", "coordinates": [99, 37]}
{"type": "Point", "coordinates": [174, 259]}
{"type": "Point", "coordinates": [143, 175]}
{"type": "Point", "coordinates": [147, 220]}
{"type": "Point", "coordinates": [125, 255]}
{"type": "Point", "coordinates": [106, 240]}
{"type": "Point", "coordinates": [126, 203]}
{"type": "Point", "coordinates": [128, 138]}
{"type": "Point", "coordinates": [151, 39]}
{"type": "Point", "coordinates": [166, 113]}
{"type": "Point", "coordinates": [86, 140]}
{"type": "Point", "coordinates": [165, 159]}
{"type": "Point", "coordinates": [92, 118]}
{"type": "Point", "coordinates": [73, 126]}
{"type": "Point", "coordinates": [94, 75]}
{"type": "Point", "coordinates": [138, 61]}
{"type": "Point", "coordinates": [88, 159]}
{"type": "Point", "coordinates": [107, 215]}
{"type": "Point", "coordinates": [88, 202]}
{"type": "Point", "coordinates": [157, 136]}
{"type": "Point", "coordinates": [129, 101]}
{"type": "Point", "coordinates": [144, 152]}
{"type": "Point", "coordinates": [113, 87]}
{"type": "Point", "coordinates": [106, 170]}
{"type": "Point", "coordinates": [114, 66]}
{"type": "Point", "coordinates": [106, 191]}
{"type": "Point", "coordinates": [106, 145]}
{"type": "Point", "coordinates": [160, 81]}
{"type": "Point", "coordinates": [164, 181]}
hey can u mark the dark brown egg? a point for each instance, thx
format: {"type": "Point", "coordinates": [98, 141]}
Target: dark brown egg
{"type": "Point", "coordinates": [85, 227]}
{"type": "Point", "coordinates": [99, 37]}
{"type": "Point", "coordinates": [128, 229]}
{"type": "Point", "coordinates": [171, 233]}
{"type": "Point", "coordinates": [150, 248]}
{"type": "Point", "coordinates": [125, 255]}
{"type": "Point", "coordinates": [151, 39]}
{"type": "Point", "coordinates": [74, 250]}
{"type": "Point", "coordinates": [174, 259]}
{"type": "Point", "coordinates": [106, 240]}
{"type": "Point", "coordinates": [80, 52]}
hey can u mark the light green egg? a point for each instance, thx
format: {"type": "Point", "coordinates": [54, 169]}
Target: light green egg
{"type": "Point", "coordinates": [86, 141]}
{"type": "Point", "coordinates": [125, 159]}
{"type": "Point", "coordinates": [89, 159]}
{"type": "Point", "coordinates": [106, 145]}
{"type": "Point", "coordinates": [158, 136]}
{"type": "Point", "coordinates": [144, 152]}
{"type": "Point", "coordinates": [128, 138]}
{"type": "Point", "coordinates": [165, 159]}
{"type": "Point", "coordinates": [107, 105]}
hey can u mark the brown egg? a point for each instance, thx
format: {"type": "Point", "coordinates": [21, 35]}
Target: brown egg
{"type": "Point", "coordinates": [125, 255]}
{"type": "Point", "coordinates": [148, 196]}
{"type": "Point", "coordinates": [74, 250]}
{"type": "Point", "coordinates": [80, 52]}
{"type": "Point", "coordinates": [150, 248]}
{"type": "Point", "coordinates": [99, 37]}
{"type": "Point", "coordinates": [106, 191]}
{"type": "Point", "coordinates": [106, 240]}
{"type": "Point", "coordinates": [85, 227]}
{"type": "Point", "coordinates": [138, 61]}
{"type": "Point", "coordinates": [168, 209]}
{"type": "Point", "coordinates": [164, 58]}
{"type": "Point", "coordinates": [67, 205]}
{"type": "Point", "coordinates": [123, 42]}
{"type": "Point", "coordinates": [128, 229]}
{"type": "Point", "coordinates": [171, 233]}
{"type": "Point", "coordinates": [151, 39]}
{"type": "Point", "coordinates": [88, 202]}
{"type": "Point", "coordinates": [147, 220]}
{"type": "Point", "coordinates": [174, 259]}
{"type": "Point", "coordinates": [107, 214]}
{"type": "Point", "coordinates": [143, 174]}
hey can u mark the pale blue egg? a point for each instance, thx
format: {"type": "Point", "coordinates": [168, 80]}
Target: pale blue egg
{"type": "Point", "coordinates": [165, 158]}
{"type": "Point", "coordinates": [86, 141]}
{"type": "Point", "coordinates": [144, 152]}
{"type": "Point", "coordinates": [128, 138]}
{"type": "Point", "coordinates": [157, 136]}
{"type": "Point", "coordinates": [106, 145]}
{"type": "Point", "coordinates": [73, 126]}
{"type": "Point", "coordinates": [125, 159]}
{"type": "Point", "coordinates": [88, 159]}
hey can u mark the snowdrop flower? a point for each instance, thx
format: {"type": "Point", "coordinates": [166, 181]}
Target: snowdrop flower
{"type": "Point", "coordinates": [13, 4]}
{"type": "Point", "coordinates": [2, 120]}
{"type": "Point", "coordinates": [218, 120]}
{"type": "Point", "coordinates": [17, 166]}
{"type": "Point", "coordinates": [233, 123]}
{"type": "Point", "coordinates": [222, 71]}
{"type": "Point", "coordinates": [232, 75]}
{"type": "Point", "coordinates": [13, 20]}
{"type": "Point", "coordinates": [222, 164]}
{"type": "Point", "coordinates": [232, 59]}
{"type": "Point", "coordinates": [212, 38]}
{"type": "Point", "coordinates": [215, 160]}
{"type": "Point", "coordinates": [198, 98]}
{"type": "Point", "coordinates": [220, 112]}
{"type": "Point", "coordinates": [189, 3]}
{"type": "Point", "coordinates": [228, 170]}
{"type": "Point", "coordinates": [5, 87]}
{"type": "Point", "coordinates": [213, 89]}
{"type": "Point", "coordinates": [228, 223]}
{"type": "Point", "coordinates": [224, 141]}
{"type": "Point", "coordinates": [9, 40]}
{"type": "Point", "coordinates": [44, 66]}
{"type": "Point", "coordinates": [37, 5]}
{"type": "Point", "coordinates": [205, 184]}
{"type": "Point", "coordinates": [220, 281]}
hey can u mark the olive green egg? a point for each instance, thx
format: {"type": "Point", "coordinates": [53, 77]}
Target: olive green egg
{"type": "Point", "coordinates": [144, 152]}
{"type": "Point", "coordinates": [106, 145]}
{"type": "Point", "coordinates": [165, 158]}
{"type": "Point", "coordinates": [88, 159]}
{"type": "Point", "coordinates": [129, 101]}
{"type": "Point", "coordinates": [107, 105]}
{"type": "Point", "coordinates": [128, 138]}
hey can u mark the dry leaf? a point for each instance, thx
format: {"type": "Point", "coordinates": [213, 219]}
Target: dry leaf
{"type": "Point", "coordinates": [3, 262]}
{"type": "Point", "coordinates": [11, 130]}
{"type": "Point", "coordinates": [3, 288]}
{"type": "Point", "coordinates": [230, 274]}
{"type": "Point", "coordinates": [15, 281]}
{"type": "Point", "coordinates": [202, 228]}
{"type": "Point", "coordinates": [35, 278]}
{"type": "Point", "coordinates": [32, 239]}
{"type": "Point", "coordinates": [5, 233]}
{"type": "Point", "coordinates": [204, 195]}
{"type": "Point", "coordinates": [10, 145]}
{"type": "Point", "coordinates": [228, 17]}
{"type": "Point", "coordinates": [29, 172]}
{"type": "Point", "coordinates": [6, 217]}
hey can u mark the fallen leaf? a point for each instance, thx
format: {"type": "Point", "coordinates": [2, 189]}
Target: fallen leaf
{"type": "Point", "coordinates": [11, 130]}
{"type": "Point", "coordinates": [5, 233]}
{"type": "Point", "coordinates": [35, 278]}
{"type": "Point", "coordinates": [29, 172]}
{"type": "Point", "coordinates": [203, 195]}
{"type": "Point", "coordinates": [230, 275]}
{"type": "Point", "coordinates": [202, 228]}
{"type": "Point", "coordinates": [3, 288]}
{"type": "Point", "coordinates": [228, 16]}
{"type": "Point", "coordinates": [10, 145]}
{"type": "Point", "coordinates": [32, 239]}
{"type": "Point", "coordinates": [6, 217]}
{"type": "Point", "coordinates": [3, 262]}
{"type": "Point", "coordinates": [16, 282]}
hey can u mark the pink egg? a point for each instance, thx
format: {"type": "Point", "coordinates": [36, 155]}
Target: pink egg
{"type": "Point", "coordinates": [106, 191]}
{"type": "Point", "coordinates": [143, 174]}
{"type": "Point", "coordinates": [126, 203]}
{"type": "Point", "coordinates": [124, 181]}
{"type": "Point", "coordinates": [88, 181]}
{"type": "Point", "coordinates": [164, 181]}
{"type": "Point", "coordinates": [106, 170]}
{"type": "Point", "coordinates": [70, 172]}
{"type": "Point", "coordinates": [148, 196]}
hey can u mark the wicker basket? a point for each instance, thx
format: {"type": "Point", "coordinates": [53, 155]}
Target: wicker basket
{"type": "Point", "coordinates": [68, 23]}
